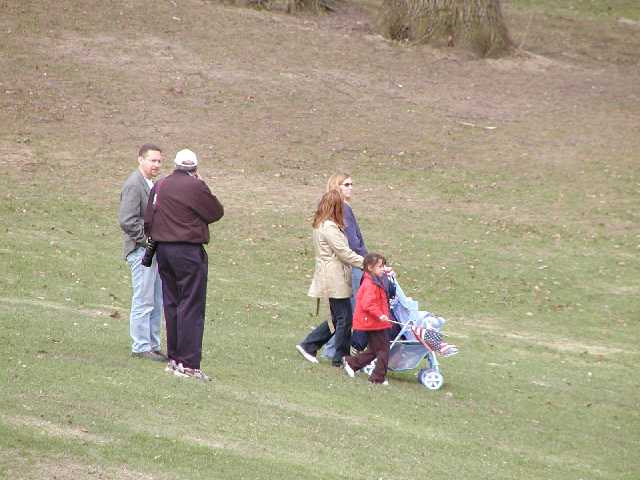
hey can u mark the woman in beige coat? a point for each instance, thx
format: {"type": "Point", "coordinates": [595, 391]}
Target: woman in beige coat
{"type": "Point", "coordinates": [331, 278]}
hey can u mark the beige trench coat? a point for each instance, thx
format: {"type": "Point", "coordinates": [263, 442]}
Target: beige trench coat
{"type": "Point", "coordinates": [334, 259]}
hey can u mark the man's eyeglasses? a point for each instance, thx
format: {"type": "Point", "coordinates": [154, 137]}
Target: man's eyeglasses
{"type": "Point", "coordinates": [348, 184]}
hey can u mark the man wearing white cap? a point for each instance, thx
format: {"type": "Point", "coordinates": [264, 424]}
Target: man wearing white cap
{"type": "Point", "coordinates": [177, 218]}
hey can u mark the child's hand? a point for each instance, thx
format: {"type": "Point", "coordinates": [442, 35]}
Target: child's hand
{"type": "Point", "coordinates": [384, 318]}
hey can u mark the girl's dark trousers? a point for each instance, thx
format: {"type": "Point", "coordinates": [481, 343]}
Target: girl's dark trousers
{"type": "Point", "coordinates": [378, 349]}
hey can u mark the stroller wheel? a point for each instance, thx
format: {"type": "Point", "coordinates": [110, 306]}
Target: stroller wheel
{"type": "Point", "coordinates": [431, 378]}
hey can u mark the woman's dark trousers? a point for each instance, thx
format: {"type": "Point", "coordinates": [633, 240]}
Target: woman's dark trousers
{"type": "Point", "coordinates": [341, 317]}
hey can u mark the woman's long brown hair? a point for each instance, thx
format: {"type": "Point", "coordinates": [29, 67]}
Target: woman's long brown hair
{"type": "Point", "coordinates": [329, 208]}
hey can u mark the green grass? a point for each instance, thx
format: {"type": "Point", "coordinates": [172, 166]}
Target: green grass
{"type": "Point", "coordinates": [524, 237]}
{"type": "Point", "coordinates": [543, 387]}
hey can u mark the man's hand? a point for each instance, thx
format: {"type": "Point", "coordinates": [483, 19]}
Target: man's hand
{"type": "Point", "coordinates": [195, 174]}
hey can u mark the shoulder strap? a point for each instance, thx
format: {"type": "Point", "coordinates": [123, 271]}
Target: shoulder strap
{"type": "Point", "coordinates": [155, 203]}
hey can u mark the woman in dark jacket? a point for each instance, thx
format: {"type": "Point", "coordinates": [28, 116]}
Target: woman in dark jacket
{"type": "Point", "coordinates": [344, 184]}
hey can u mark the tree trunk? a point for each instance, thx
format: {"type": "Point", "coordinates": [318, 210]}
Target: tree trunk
{"type": "Point", "coordinates": [477, 24]}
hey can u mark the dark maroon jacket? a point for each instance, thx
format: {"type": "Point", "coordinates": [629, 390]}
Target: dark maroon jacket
{"type": "Point", "coordinates": [184, 207]}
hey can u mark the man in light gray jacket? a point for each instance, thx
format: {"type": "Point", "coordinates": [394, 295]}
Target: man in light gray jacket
{"type": "Point", "coordinates": [146, 302]}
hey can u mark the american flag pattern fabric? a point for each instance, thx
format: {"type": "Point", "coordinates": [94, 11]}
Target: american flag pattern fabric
{"type": "Point", "coordinates": [433, 338]}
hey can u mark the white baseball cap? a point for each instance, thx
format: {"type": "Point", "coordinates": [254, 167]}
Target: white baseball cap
{"type": "Point", "coordinates": [186, 158]}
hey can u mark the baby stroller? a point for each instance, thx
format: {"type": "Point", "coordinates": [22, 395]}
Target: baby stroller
{"type": "Point", "coordinates": [416, 335]}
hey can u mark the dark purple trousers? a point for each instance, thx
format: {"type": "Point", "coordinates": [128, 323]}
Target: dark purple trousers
{"type": "Point", "coordinates": [377, 348]}
{"type": "Point", "coordinates": [183, 270]}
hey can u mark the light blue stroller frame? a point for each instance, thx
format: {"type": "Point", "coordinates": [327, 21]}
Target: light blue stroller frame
{"type": "Point", "coordinates": [419, 337]}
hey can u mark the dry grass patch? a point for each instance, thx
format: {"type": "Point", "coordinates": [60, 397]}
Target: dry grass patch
{"type": "Point", "coordinates": [550, 341]}
{"type": "Point", "coordinates": [18, 466]}
{"type": "Point", "coordinates": [301, 457]}
{"type": "Point", "coordinates": [103, 312]}
{"type": "Point", "coordinates": [55, 430]}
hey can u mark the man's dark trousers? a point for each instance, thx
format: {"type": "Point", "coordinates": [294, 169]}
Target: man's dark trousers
{"type": "Point", "coordinates": [183, 270]}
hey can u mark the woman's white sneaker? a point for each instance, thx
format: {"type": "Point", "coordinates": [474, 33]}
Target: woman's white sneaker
{"type": "Point", "coordinates": [307, 356]}
{"type": "Point", "coordinates": [348, 369]}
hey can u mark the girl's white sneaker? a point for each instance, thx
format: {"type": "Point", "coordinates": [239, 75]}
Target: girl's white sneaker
{"type": "Point", "coordinates": [348, 369]}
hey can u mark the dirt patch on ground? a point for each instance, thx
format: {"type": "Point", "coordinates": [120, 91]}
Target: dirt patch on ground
{"type": "Point", "coordinates": [559, 344]}
{"type": "Point", "coordinates": [54, 429]}
{"type": "Point", "coordinates": [287, 406]}
{"type": "Point", "coordinates": [98, 313]}
{"type": "Point", "coordinates": [322, 93]}
{"type": "Point", "coordinates": [63, 468]}
{"type": "Point", "coordinates": [19, 464]}
{"type": "Point", "coordinates": [18, 156]}
{"type": "Point", "coordinates": [627, 290]}
{"type": "Point", "coordinates": [249, 450]}
{"type": "Point", "coordinates": [567, 345]}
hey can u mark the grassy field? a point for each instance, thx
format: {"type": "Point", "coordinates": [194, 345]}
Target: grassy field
{"type": "Point", "coordinates": [503, 191]}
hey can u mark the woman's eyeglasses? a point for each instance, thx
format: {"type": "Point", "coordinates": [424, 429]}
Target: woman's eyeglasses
{"type": "Point", "coordinates": [348, 184]}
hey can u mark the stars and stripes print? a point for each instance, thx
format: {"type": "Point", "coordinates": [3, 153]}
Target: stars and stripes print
{"type": "Point", "coordinates": [433, 339]}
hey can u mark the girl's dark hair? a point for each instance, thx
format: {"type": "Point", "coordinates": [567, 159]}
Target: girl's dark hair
{"type": "Point", "coordinates": [371, 260]}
